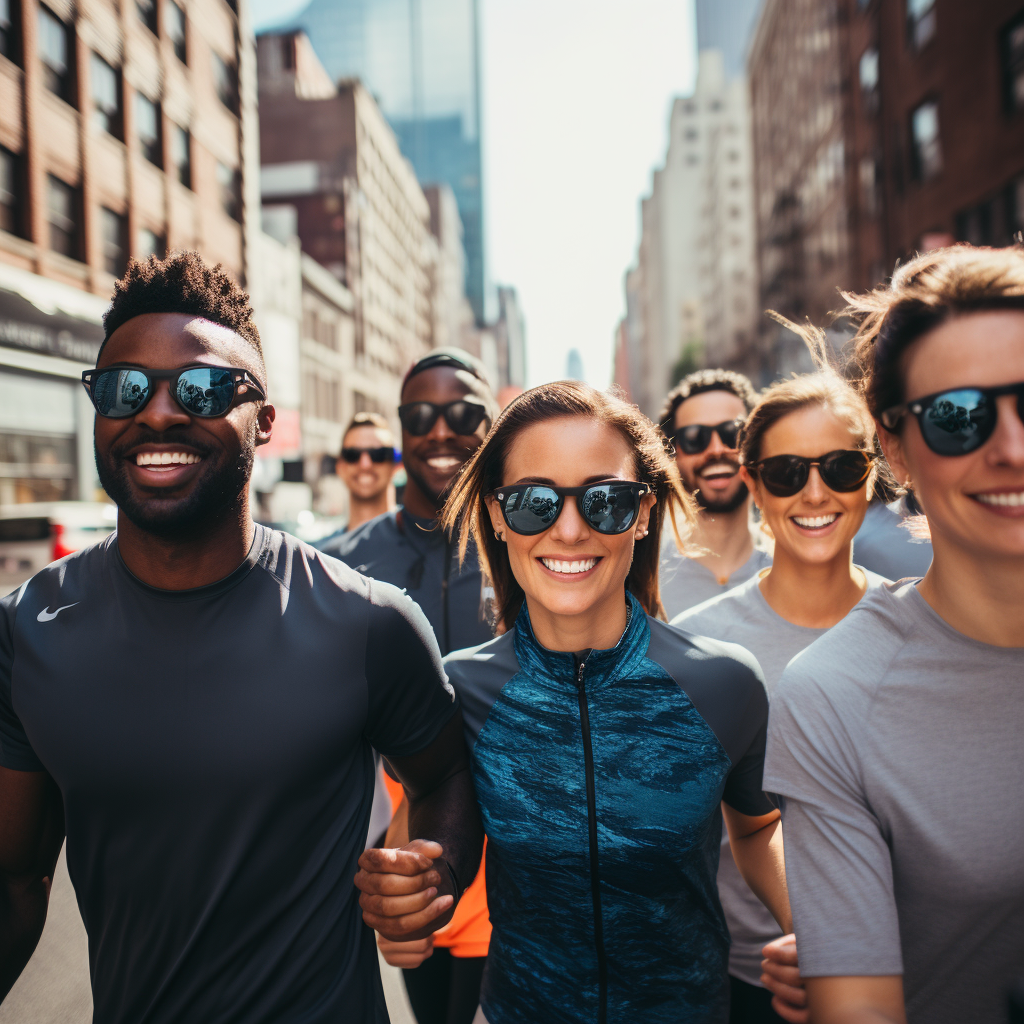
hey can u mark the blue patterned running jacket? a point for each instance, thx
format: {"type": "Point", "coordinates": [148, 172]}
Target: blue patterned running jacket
{"type": "Point", "coordinates": [600, 781]}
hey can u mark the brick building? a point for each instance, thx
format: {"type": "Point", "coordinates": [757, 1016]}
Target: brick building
{"type": "Point", "coordinates": [881, 128]}
{"type": "Point", "coordinates": [124, 131]}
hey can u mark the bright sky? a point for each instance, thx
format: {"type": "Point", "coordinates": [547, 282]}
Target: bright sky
{"type": "Point", "coordinates": [576, 103]}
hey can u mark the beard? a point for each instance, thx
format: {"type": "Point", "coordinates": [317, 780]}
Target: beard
{"type": "Point", "coordinates": [723, 505]}
{"type": "Point", "coordinates": [213, 493]}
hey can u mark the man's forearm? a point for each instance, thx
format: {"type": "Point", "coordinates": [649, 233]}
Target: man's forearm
{"type": "Point", "coordinates": [449, 815]}
{"type": "Point", "coordinates": [22, 915]}
{"type": "Point", "coordinates": [761, 862]}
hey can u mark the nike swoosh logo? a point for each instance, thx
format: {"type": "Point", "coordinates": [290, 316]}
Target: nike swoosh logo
{"type": "Point", "coordinates": [46, 615]}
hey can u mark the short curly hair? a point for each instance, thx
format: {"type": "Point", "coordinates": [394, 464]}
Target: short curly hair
{"type": "Point", "coordinates": [182, 283]}
{"type": "Point", "coordinates": [697, 383]}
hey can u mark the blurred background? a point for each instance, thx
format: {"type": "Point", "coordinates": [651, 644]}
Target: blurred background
{"type": "Point", "coordinates": [585, 188]}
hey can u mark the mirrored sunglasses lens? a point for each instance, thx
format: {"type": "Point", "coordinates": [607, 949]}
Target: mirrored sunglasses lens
{"type": "Point", "coordinates": [532, 509]}
{"type": "Point", "coordinates": [845, 471]}
{"type": "Point", "coordinates": [958, 422]}
{"type": "Point", "coordinates": [784, 476]}
{"type": "Point", "coordinates": [206, 391]}
{"type": "Point", "coordinates": [120, 393]}
{"type": "Point", "coordinates": [464, 417]}
{"type": "Point", "coordinates": [729, 433]}
{"type": "Point", "coordinates": [418, 418]}
{"type": "Point", "coordinates": [609, 508]}
{"type": "Point", "coordinates": [692, 440]}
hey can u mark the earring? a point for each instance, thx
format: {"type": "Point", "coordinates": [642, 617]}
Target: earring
{"type": "Point", "coordinates": [640, 534]}
{"type": "Point", "coordinates": [498, 536]}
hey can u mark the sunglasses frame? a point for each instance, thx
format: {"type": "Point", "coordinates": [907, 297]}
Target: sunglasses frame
{"type": "Point", "coordinates": [807, 463]}
{"type": "Point", "coordinates": [441, 409]}
{"type": "Point", "coordinates": [639, 490]}
{"type": "Point", "coordinates": [711, 428]}
{"type": "Point", "coordinates": [892, 416]}
{"type": "Point", "coordinates": [239, 377]}
{"type": "Point", "coordinates": [396, 455]}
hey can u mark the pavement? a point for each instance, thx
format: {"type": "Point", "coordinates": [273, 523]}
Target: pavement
{"type": "Point", "coordinates": [54, 987]}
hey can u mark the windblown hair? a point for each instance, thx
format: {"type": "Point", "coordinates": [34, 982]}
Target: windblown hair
{"type": "Point", "coordinates": [466, 509]}
{"type": "Point", "coordinates": [699, 382]}
{"type": "Point", "coordinates": [182, 283]}
{"type": "Point", "coordinates": [826, 388]}
{"type": "Point", "coordinates": [924, 293]}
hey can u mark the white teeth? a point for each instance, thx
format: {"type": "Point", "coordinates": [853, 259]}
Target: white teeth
{"type": "Point", "coordinates": [1008, 500]}
{"type": "Point", "coordinates": [815, 522]}
{"type": "Point", "coordinates": [583, 565]}
{"type": "Point", "coordinates": [165, 459]}
{"type": "Point", "coordinates": [443, 462]}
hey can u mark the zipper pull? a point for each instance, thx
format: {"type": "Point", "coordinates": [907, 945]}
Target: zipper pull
{"type": "Point", "coordinates": [579, 675]}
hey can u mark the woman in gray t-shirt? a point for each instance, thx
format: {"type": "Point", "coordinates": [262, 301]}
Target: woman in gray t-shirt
{"type": "Point", "coordinates": [897, 741]}
{"type": "Point", "coordinates": [808, 461]}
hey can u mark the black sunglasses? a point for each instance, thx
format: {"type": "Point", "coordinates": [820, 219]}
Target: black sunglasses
{"type": "Point", "coordinates": [786, 475]}
{"type": "Point", "coordinates": [957, 421]}
{"type": "Point", "coordinates": [695, 437]}
{"type": "Point", "coordinates": [609, 507]}
{"type": "Point", "coordinates": [463, 416]}
{"type": "Point", "coordinates": [378, 455]}
{"type": "Point", "coordinates": [208, 391]}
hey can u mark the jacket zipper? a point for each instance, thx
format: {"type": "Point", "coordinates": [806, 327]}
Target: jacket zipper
{"type": "Point", "coordinates": [595, 879]}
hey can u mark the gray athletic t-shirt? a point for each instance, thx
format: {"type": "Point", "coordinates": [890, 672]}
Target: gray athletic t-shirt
{"type": "Point", "coordinates": [686, 583]}
{"type": "Point", "coordinates": [743, 616]}
{"type": "Point", "coordinates": [213, 749]}
{"type": "Point", "coordinates": [897, 745]}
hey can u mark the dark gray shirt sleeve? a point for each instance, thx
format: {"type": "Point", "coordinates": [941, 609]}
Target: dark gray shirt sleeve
{"type": "Point", "coordinates": [15, 750]}
{"type": "Point", "coordinates": [409, 696]}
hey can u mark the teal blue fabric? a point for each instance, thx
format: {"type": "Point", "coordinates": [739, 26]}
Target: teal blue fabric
{"type": "Point", "coordinates": [660, 775]}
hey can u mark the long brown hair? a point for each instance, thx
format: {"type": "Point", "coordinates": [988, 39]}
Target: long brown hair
{"type": "Point", "coordinates": [466, 509]}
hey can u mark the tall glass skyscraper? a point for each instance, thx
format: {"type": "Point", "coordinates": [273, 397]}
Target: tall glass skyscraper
{"type": "Point", "coordinates": [727, 25]}
{"type": "Point", "coordinates": [421, 60]}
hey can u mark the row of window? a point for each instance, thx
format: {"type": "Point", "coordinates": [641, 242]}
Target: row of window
{"type": "Point", "coordinates": [56, 47]}
{"type": "Point", "coordinates": [64, 214]}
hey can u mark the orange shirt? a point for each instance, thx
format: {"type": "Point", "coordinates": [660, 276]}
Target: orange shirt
{"type": "Point", "coordinates": [468, 934]}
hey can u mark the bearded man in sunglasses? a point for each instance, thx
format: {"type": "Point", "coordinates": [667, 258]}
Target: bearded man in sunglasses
{"type": "Point", "coordinates": [195, 702]}
{"type": "Point", "coordinates": [367, 467]}
{"type": "Point", "coordinates": [702, 416]}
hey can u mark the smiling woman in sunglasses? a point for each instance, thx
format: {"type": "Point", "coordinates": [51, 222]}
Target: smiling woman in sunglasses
{"type": "Point", "coordinates": [895, 741]}
{"type": "Point", "coordinates": [604, 742]}
{"type": "Point", "coordinates": [807, 457]}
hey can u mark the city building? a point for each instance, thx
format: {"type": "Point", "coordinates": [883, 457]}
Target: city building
{"type": "Point", "coordinates": [421, 62]}
{"type": "Point", "coordinates": [451, 314]}
{"type": "Point", "coordinates": [331, 161]}
{"type": "Point", "coordinates": [511, 331]}
{"type": "Point", "coordinates": [125, 129]}
{"type": "Point", "coordinates": [881, 128]}
{"type": "Point", "coordinates": [692, 299]}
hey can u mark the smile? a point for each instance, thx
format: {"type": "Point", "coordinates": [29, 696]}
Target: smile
{"type": "Point", "coordinates": [443, 463]}
{"type": "Point", "coordinates": [569, 568]}
{"type": "Point", "coordinates": [1006, 499]}
{"type": "Point", "coordinates": [816, 522]}
{"type": "Point", "coordinates": [166, 459]}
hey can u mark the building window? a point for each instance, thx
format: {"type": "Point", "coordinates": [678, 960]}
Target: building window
{"type": "Point", "coordinates": [106, 96]}
{"type": "Point", "coordinates": [225, 82]}
{"type": "Point", "coordinates": [149, 243]}
{"type": "Point", "coordinates": [181, 154]}
{"type": "Point", "coordinates": [146, 10]}
{"type": "Point", "coordinates": [229, 182]}
{"type": "Point", "coordinates": [1012, 39]}
{"type": "Point", "coordinates": [62, 211]}
{"type": "Point", "coordinates": [10, 192]}
{"type": "Point", "coordinates": [920, 22]}
{"type": "Point", "coordinates": [115, 237]}
{"type": "Point", "coordinates": [147, 128]}
{"type": "Point", "coordinates": [55, 51]}
{"type": "Point", "coordinates": [174, 24]}
{"type": "Point", "coordinates": [9, 29]}
{"type": "Point", "coordinates": [926, 148]}
{"type": "Point", "coordinates": [869, 69]}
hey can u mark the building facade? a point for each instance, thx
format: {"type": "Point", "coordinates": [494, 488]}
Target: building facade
{"type": "Point", "coordinates": [328, 155]}
{"type": "Point", "coordinates": [691, 299]}
{"type": "Point", "coordinates": [421, 61]}
{"type": "Point", "coordinates": [881, 128]}
{"type": "Point", "coordinates": [124, 130]}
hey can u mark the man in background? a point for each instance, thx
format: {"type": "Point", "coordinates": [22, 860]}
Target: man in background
{"type": "Point", "coordinates": [367, 467]}
{"type": "Point", "coordinates": [702, 416]}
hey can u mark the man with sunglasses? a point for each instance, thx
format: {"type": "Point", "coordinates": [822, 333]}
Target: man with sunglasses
{"type": "Point", "coordinates": [702, 416]}
{"type": "Point", "coordinates": [447, 408]}
{"type": "Point", "coordinates": [367, 466]}
{"type": "Point", "coordinates": [195, 702]}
